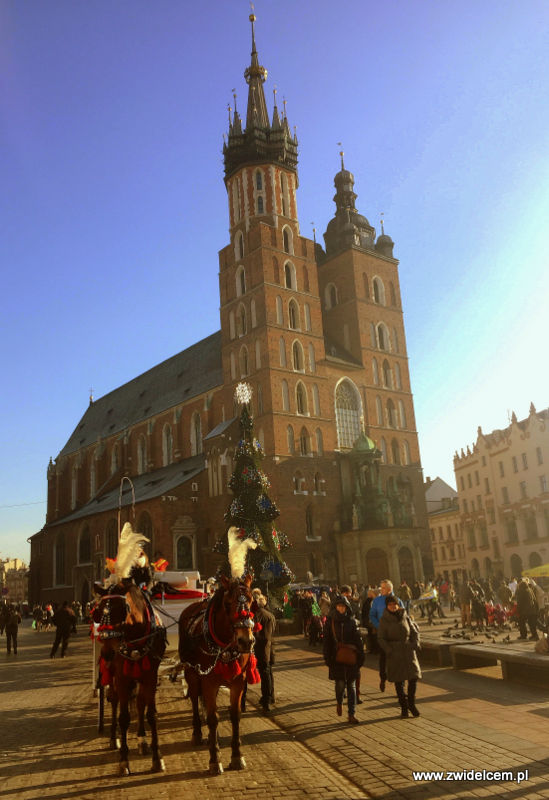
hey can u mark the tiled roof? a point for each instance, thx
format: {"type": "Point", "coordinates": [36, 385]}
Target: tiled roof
{"type": "Point", "coordinates": [176, 380]}
{"type": "Point", "coordinates": [221, 428]}
{"type": "Point", "coordinates": [146, 487]}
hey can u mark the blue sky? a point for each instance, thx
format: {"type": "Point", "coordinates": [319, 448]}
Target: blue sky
{"type": "Point", "coordinates": [113, 206]}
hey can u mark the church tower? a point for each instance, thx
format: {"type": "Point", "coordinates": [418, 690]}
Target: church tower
{"type": "Point", "coordinates": [271, 319]}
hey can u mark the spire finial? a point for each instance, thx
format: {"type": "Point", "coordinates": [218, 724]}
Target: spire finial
{"type": "Point", "coordinates": [234, 98]}
{"type": "Point", "coordinates": [314, 232]}
{"type": "Point", "coordinates": [341, 153]}
{"type": "Point", "coordinates": [91, 395]}
{"type": "Point", "coordinates": [284, 104]}
{"type": "Point", "coordinates": [381, 223]}
{"type": "Point", "coordinates": [229, 111]}
{"type": "Point", "coordinates": [274, 94]}
{"type": "Point", "coordinates": [252, 20]}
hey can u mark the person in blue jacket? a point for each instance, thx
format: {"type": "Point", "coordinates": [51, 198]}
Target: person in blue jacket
{"type": "Point", "coordinates": [377, 609]}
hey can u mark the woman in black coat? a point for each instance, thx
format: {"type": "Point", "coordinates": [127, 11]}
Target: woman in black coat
{"type": "Point", "coordinates": [341, 628]}
{"type": "Point", "coordinates": [399, 638]}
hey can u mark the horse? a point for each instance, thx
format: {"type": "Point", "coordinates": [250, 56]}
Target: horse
{"type": "Point", "coordinates": [133, 643]}
{"type": "Point", "coordinates": [216, 649]}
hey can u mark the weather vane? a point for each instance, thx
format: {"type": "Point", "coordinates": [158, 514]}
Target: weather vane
{"type": "Point", "coordinates": [341, 153]}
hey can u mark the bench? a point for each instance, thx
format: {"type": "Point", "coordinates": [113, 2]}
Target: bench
{"type": "Point", "coordinates": [523, 667]}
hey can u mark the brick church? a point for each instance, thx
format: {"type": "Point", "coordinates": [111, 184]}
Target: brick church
{"type": "Point", "coordinates": [319, 336]}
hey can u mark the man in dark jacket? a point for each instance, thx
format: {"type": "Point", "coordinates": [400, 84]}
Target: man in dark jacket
{"type": "Point", "coordinates": [527, 607]}
{"type": "Point", "coordinates": [13, 620]}
{"type": "Point", "coordinates": [342, 629]}
{"type": "Point", "coordinates": [63, 620]}
{"type": "Point", "coordinates": [264, 652]}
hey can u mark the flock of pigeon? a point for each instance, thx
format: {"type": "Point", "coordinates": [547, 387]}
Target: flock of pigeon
{"type": "Point", "coordinates": [471, 634]}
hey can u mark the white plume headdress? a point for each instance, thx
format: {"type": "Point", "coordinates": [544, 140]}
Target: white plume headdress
{"type": "Point", "coordinates": [238, 551]}
{"type": "Point", "coordinates": [130, 551]}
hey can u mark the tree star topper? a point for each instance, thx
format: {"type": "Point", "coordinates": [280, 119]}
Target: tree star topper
{"type": "Point", "coordinates": [243, 393]}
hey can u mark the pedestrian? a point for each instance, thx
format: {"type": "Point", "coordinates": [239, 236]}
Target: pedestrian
{"type": "Point", "coordinates": [63, 620]}
{"type": "Point", "coordinates": [528, 609]}
{"type": "Point", "coordinates": [343, 654]}
{"type": "Point", "coordinates": [377, 609]}
{"type": "Point", "coordinates": [4, 611]}
{"type": "Point", "coordinates": [405, 594]}
{"type": "Point", "coordinates": [13, 620]}
{"type": "Point", "coordinates": [264, 652]}
{"type": "Point", "coordinates": [398, 636]}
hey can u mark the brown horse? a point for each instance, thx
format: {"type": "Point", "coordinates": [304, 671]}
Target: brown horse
{"type": "Point", "coordinates": [216, 649]}
{"type": "Point", "coordinates": [133, 643]}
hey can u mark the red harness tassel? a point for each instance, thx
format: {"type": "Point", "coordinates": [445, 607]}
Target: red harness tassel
{"type": "Point", "coordinates": [252, 674]}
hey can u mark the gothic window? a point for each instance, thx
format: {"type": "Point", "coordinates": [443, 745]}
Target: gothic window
{"type": "Point", "coordinates": [387, 382]}
{"type": "Point", "coordinates": [231, 325]}
{"type": "Point", "coordinates": [297, 357]}
{"type": "Point", "coordinates": [307, 317]}
{"type": "Point", "coordinates": [240, 281]}
{"type": "Point", "coordinates": [184, 553]}
{"type": "Point", "coordinates": [407, 459]}
{"type": "Point", "coordinates": [258, 181]}
{"type": "Point", "coordinates": [285, 396]}
{"type": "Point", "coordinates": [293, 315]}
{"type": "Point", "coordinates": [253, 313]}
{"type": "Point", "coordinates": [259, 400]}
{"type": "Point", "coordinates": [284, 188]}
{"type": "Point", "coordinates": [299, 483]}
{"type": "Point", "coordinates": [236, 202]}
{"type": "Point", "coordinates": [391, 414]}
{"type": "Point", "coordinates": [276, 271]}
{"type": "Point", "coordinates": [319, 442]}
{"type": "Point", "coordinates": [114, 459]}
{"type": "Point", "coordinates": [196, 434]}
{"type": "Point", "coordinates": [291, 442]}
{"type": "Point", "coordinates": [84, 546]}
{"type": "Point", "coordinates": [301, 398]}
{"type": "Point", "coordinates": [316, 401]}
{"type": "Point", "coordinates": [366, 285]}
{"type": "Point", "coordinates": [233, 367]}
{"type": "Point", "coordinates": [243, 362]}
{"type": "Point", "coordinates": [375, 371]}
{"type": "Point", "coordinates": [347, 402]}
{"type": "Point", "coordinates": [239, 246]}
{"type": "Point", "coordinates": [395, 452]}
{"type": "Point", "coordinates": [282, 352]}
{"type": "Point", "coordinates": [258, 354]}
{"type": "Point", "coordinates": [398, 379]}
{"type": "Point", "coordinates": [382, 337]}
{"type": "Point", "coordinates": [59, 559]}
{"type": "Point", "coordinates": [383, 448]}
{"type": "Point", "coordinates": [287, 240]}
{"type": "Point", "coordinates": [309, 527]}
{"type": "Point", "coordinates": [379, 291]}
{"type": "Point", "coordinates": [111, 539]}
{"type": "Point", "coordinates": [167, 446]}
{"type": "Point", "coordinates": [304, 447]}
{"type": "Point", "coordinates": [402, 414]}
{"type": "Point", "coordinates": [312, 360]}
{"type": "Point", "coordinates": [289, 276]}
{"type": "Point", "coordinates": [379, 411]}
{"type": "Point", "coordinates": [305, 279]}
{"type": "Point", "coordinates": [260, 205]}
{"type": "Point", "coordinates": [279, 314]}
{"type": "Point", "coordinates": [330, 296]}
{"type": "Point", "coordinates": [241, 321]}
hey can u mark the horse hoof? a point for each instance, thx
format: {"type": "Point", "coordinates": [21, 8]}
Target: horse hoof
{"type": "Point", "coordinates": [124, 769]}
{"type": "Point", "coordinates": [158, 766]}
{"type": "Point", "coordinates": [237, 763]}
{"type": "Point", "coordinates": [143, 749]}
{"type": "Point", "coordinates": [196, 739]}
{"type": "Point", "coordinates": [216, 768]}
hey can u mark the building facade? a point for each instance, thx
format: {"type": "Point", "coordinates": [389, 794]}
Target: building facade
{"type": "Point", "coordinates": [447, 541]}
{"type": "Point", "coordinates": [504, 499]}
{"type": "Point", "coordinates": [319, 336]}
{"type": "Point", "coordinates": [14, 580]}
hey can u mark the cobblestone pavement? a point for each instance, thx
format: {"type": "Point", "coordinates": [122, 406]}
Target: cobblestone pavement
{"type": "Point", "coordinates": [472, 720]}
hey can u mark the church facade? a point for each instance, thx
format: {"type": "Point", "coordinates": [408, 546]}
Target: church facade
{"type": "Point", "coordinates": [318, 333]}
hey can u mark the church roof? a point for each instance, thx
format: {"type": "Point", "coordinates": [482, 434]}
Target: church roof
{"type": "Point", "coordinates": [178, 379]}
{"type": "Point", "coordinates": [146, 487]}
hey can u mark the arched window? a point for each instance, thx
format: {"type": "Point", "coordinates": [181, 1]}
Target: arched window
{"type": "Point", "coordinates": [375, 371]}
{"type": "Point", "coordinates": [291, 442]}
{"type": "Point", "coordinates": [398, 379]}
{"type": "Point", "coordinates": [307, 317]}
{"type": "Point", "coordinates": [284, 188]}
{"type": "Point", "coordinates": [239, 246]}
{"type": "Point", "coordinates": [304, 445]}
{"type": "Point", "coordinates": [379, 411]}
{"type": "Point", "coordinates": [383, 448]}
{"type": "Point", "coordinates": [402, 414]}
{"type": "Point", "coordinates": [312, 360]}
{"type": "Point", "coordinates": [348, 406]}
{"type": "Point", "coordinates": [59, 559]}
{"type": "Point", "coordinates": [282, 352]}
{"type": "Point", "coordinates": [287, 240]}
{"type": "Point", "coordinates": [260, 205]}
{"type": "Point", "coordinates": [379, 291]}
{"type": "Point", "coordinates": [319, 442]}
{"type": "Point", "coordinates": [276, 271]}
{"type": "Point", "coordinates": [240, 281]}
{"type": "Point", "coordinates": [309, 527]}
{"type": "Point", "coordinates": [84, 546]}
{"type": "Point", "coordinates": [299, 482]}
{"type": "Point", "coordinates": [279, 314]}
{"type": "Point", "coordinates": [316, 401]}
{"type": "Point", "coordinates": [320, 483]}
{"type": "Point", "coordinates": [253, 314]}
{"type": "Point", "coordinates": [382, 337]}
{"type": "Point", "coordinates": [395, 451]}
{"type": "Point", "coordinates": [391, 414]}
{"type": "Point", "coordinates": [196, 434]}
{"type": "Point", "coordinates": [257, 354]}
{"type": "Point", "coordinates": [167, 445]}
{"type": "Point", "coordinates": [243, 362]}
{"type": "Point", "coordinates": [236, 201]}
{"type": "Point", "coordinates": [366, 285]}
{"type": "Point", "coordinates": [184, 553]}
{"type": "Point", "coordinates": [301, 398]}
{"type": "Point", "coordinates": [111, 539]}
{"type": "Point", "coordinates": [241, 320]}
{"type": "Point", "coordinates": [233, 367]}
{"type": "Point", "coordinates": [305, 279]}
{"type": "Point", "coordinates": [289, 276]}
{"type": "Point", "coordinates": [297, 357]}
{"type": "Point", "coordinates": [258, 181]}
{"type": "Point", "coordinates": [231, 325]}
{"type": "Point", "coordinates": [285, 396]}
{"type": "Point", "coordinates": [387, 382]}
{"type": "Point", "coordinates": [293, 315]}
{"type": "Point", "coordinates": [407, 459]}
{"type": "Point", "coordinates": [330, 295]}
{"type": "Point", "coordinates": [114, 459]}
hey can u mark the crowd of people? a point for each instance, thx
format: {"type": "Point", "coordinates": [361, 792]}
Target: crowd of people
{"type": "Point", "coordinates": [64, 618]}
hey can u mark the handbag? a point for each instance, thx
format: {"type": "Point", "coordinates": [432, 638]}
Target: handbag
{"type": "Point", "coordinates": [346, 653]}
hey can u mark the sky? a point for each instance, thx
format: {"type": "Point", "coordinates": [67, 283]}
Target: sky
{"type": "Point", "coordinates": [113, 207]}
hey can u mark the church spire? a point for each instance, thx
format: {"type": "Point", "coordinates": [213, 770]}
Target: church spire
{"type": "Point", "coordinates": [255, 76]}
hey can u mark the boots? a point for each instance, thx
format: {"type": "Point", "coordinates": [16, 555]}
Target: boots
{"type": "Point", "coordinates": [412, 698]}
{"type": "Point", "coordinates": [402, 699]}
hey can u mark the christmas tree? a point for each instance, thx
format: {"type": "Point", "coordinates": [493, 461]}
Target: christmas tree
{"type": "Point", "coordinates": [252, 511]}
